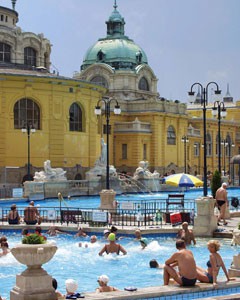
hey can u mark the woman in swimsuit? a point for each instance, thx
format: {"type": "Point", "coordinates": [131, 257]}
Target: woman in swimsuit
{"type": "Point", "coordinates": [13, 216]}
{"type": "Point", "coordinates": [112, 247]}
{"type": "Point", "coordinates": [214, 264]}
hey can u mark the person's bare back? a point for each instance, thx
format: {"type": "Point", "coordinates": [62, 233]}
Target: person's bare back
{"type": "Point", "coordinates": [186, 263]}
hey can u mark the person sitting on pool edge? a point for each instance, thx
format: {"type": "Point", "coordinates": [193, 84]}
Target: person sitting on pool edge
{"type": "Point", "coordinates": [31, 215]}
{"type": "Point", "coordinates": [187, 275]}
{"type": "Point", "coordinates": [71, 288]}
{"type": "Point", "coordinates": [213, 265]}
{"type": "Point", "coordinates": [57, 293]}
{"type": "Point", "coordinates": [13, 216]}
{"type": "Point", "coordinates": [103, 285]}
{"type": "Point", "coordinates": [112, 247]}
{"type": "Point", "coordinates": [186, 234]}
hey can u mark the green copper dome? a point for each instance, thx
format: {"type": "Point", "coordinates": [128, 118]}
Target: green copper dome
{"type": "Point", "coordinates": [116, 50]}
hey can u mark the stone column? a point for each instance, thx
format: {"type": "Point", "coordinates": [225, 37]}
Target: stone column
{"type": "Point", "coordinates": [108, 201]}
{"type": "Point", "coordinates": [206, 222]}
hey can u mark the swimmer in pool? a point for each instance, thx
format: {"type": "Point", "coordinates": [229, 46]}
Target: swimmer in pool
{"type": "Point", "coordinates": [80, 232]}
{"type": "Point", "coordinates": [138, 234]}
{"type": "Point", "coordinates": [5, 249]}
{"type": "Point", "coordinates": [93, 240]}
{"type": "Point", "coordinates": [186, 234]}
{"type": "Point", "coordinates": [112, 247]}
{"type": "Point", "coordinates": [143, 242]}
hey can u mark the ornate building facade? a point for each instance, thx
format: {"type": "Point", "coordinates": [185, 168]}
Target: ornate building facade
{"type": "Point", "coordinates": [59, 109]}
{"type": "Point", "coordinates": [151, 127]}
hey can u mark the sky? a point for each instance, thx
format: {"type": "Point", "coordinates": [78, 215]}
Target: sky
{"type": "Point", "coordinates": [186, 41]}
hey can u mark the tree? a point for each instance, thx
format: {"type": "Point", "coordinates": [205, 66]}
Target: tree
{"type": "Point", "coordinates": [216, 182]}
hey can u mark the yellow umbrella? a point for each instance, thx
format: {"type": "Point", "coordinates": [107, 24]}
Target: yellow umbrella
{"type": "Point", "coordinates": [183, 180]}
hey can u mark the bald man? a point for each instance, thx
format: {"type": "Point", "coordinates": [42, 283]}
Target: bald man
{"type": "Point", "coordinates": [222, 202]}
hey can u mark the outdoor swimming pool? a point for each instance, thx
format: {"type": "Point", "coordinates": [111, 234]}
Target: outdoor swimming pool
{"type": "Point", "coordinates": [88, 202]}
{"type": "Point", "coordinates": [84, 264]}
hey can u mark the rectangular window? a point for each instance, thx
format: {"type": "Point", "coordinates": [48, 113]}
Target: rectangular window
{"type": "Point", "coordinates": [124, 151]}
{"type": "Point", "coordinates": [144, 151]}
{"type": "Point", "coordinates": [196, 149]}
{"type": "Point", "coordinates": [105, 129]}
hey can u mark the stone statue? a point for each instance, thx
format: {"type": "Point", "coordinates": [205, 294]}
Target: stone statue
{"type": "Point", "coordinates": [50, 174]}
{"type": "Point", "coordinates": [143, 172]}
{"type": "Point", "coordinates": [103, 157]}
{"type": "Point", "coordinates": [99, 168]}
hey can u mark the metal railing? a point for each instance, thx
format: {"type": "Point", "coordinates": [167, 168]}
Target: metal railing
{"type": "Point", "coordinates": [142, 214]}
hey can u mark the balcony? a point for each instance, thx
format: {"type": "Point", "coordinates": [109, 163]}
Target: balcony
{"type": "Point", "coordinates": [134, 126]}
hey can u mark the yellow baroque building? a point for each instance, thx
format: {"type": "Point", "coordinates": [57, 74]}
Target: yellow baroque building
{"type": "Point", "coordinates": [68, 133]}
{"type": "Point", "coordinates": [59, 109]}
{"type": "Point", "coordinates": [151, 127]}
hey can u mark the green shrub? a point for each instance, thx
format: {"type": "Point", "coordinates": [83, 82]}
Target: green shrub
{"type": "Point", "coordinates": [33, 238]}
{"type": "Point", "coordinates": [216, 182]}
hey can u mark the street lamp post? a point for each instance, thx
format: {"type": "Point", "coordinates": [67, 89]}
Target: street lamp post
{"type": "Point", "coordinates": [204, 102]}
{"type": "Point", "coordinates": [28, 128]}
{"type": "Point", "coordinates": [219, 111]}
{"type": "Point", "coordinates": [185, 141]}
{"type": "Point", "coordinates": [98, 111]}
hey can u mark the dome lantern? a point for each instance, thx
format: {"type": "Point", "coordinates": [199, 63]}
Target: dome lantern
{"type": "Point", "coordinates": [115, 23]}
{"type": "Point", "coordinates": [116, 49]}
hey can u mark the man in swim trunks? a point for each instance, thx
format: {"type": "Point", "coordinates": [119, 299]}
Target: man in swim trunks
{"type": "Point", "coordinates": [185, 261]}
{"type": "Point", "coordinates": [31, 215]}
{"type": "Point", "coordinates": [186, 234]}
{"type": "Point", "coordinates": [222, 202]}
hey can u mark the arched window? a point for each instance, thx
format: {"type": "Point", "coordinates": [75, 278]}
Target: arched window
{"type": "Point", "coordinates": [100, 55]}
{"type": "Point", "coordinates": [5, 52]}
{"type": "Point", "coordinates": [25, 112]}
{"type": "Point", "coordinates": [75, 118]}
{"type": "Point", "coordinates": [30, 56]}
{"type": "Point", "coordinates": [100, 80]}
{"type": "Point", "coordinates": [78, 176]}
{"type": "Point", "coordinates": [209, 144]}
{"type": "Point", "coordinates": [171, 136]}
{"type": "Point", "coordinates": [143, 84]}
{"type": "Point", "coordinates": [139, 57]}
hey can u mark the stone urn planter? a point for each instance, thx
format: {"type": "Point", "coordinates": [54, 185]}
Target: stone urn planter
{"type": "Point", "coordinates": [34, 283]}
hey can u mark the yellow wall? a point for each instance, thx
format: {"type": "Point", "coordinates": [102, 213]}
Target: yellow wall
{"type": "Point", "coordinates": [53, 141]}
{"type": "Point", "coordinates": [159, 153]}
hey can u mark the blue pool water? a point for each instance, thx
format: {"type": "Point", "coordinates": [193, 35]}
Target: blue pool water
{"type": "Point", "coordinates": [88, 202]}
{"type": "Point", "coordinates": [84, 264]}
